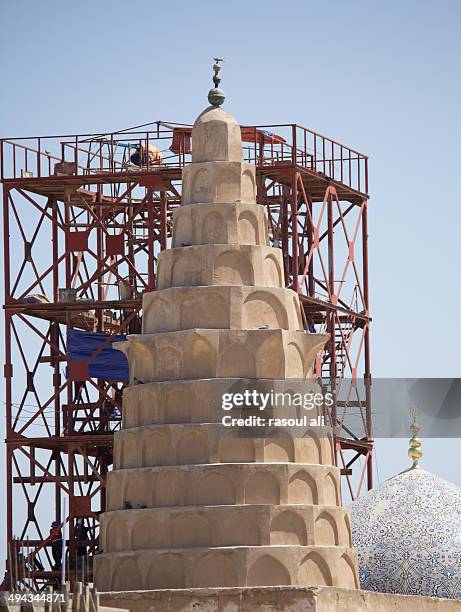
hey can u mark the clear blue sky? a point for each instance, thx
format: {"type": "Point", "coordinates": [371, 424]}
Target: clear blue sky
{"type": "Point", "coordinates": [382, 77]}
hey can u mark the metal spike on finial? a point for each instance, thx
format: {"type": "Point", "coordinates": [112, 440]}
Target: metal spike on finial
{"type": "Point", "coordinates": [414, 452]}
{"type": "Point", "coordinates": [216, 95]}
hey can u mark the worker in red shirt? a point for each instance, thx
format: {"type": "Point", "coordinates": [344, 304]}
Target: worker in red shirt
{"type": "Point", "coordinates": [55, 538]}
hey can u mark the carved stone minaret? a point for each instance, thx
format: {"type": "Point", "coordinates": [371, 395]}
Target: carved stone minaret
{"type": "Point", "coordinates": [188, 504]}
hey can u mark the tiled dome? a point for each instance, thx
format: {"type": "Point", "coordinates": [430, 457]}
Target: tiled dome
{"type": "Point", "coordinates": [407, 534]}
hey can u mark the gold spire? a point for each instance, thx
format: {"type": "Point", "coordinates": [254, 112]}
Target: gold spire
{"type": "Point", "coordinates": [414, 452]}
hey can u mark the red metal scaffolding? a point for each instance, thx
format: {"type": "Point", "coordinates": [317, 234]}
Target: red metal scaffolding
{"type": "Point", "coordinates": [82, 229]}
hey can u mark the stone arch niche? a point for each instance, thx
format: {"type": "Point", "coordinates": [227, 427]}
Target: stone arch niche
{"type": "Point", "coordinates": [330, 491]}
{"type": "Point", "coordinates": [130, 450]}
{"type": "Point", "coordinates": [346, 573]}
{"type": "Point", "coordinates": [166, 573]}
{"type": "Point", "coordinates": [297, 309]}
{"type": "Point", "coordinates": [169, 362]}
{"type": "Point", "coordinates": [309, 448]}
{"type": "Point", "coordinates": [102, 576]}
{"type": "Point", "coordinates": [155, 448]}
{"type": "Point", "coordinates": [314, 571]}
{"type": "Point", "coordinates": [214, 569]}
{"type": "Point", "coordinates": [178, 406]}
{"type": "Point", "coordinates": [295, 360]}
{"type": "Point", "coordinates": [248, 228]}
{"type": "Point", "coordinates": [279, 449]}
{"type": "Point", "coordinates": [135, 491]}
{"type": "Point", "coordinates": [236, 361]}
{"type": "Point", "coordinates": [159, 315]}
{"type": "Point", "coordinates": [267, 571]}
{"type": "Point", "coordinates": [160, 279]}
{"type": "Point", "coordinates": [240, 530]}
{"type": "Point", "coordinates": [125, 573]}
{"type": "Point", "coordinates": [233, 268]}
{"type": "Point", "coordinates": [270, 357]}
{"type": "Point", "coordinates": [200, 188]}
{"type": "Point", "coordinates": [288, 528]}
{"type": "Point", "coordinates": [118, 454]}
{"type": "Point", "coordinates": [263, 308]}
{"type": "Point", "coordinates": [330, 446]}
{"type": "Point", "coordinates": [186, 271]}
{"type": "Point", "coordinates": [142, 360]}
{"type": "Point", "coordinates": [192, 448]}
{"type": "Point", "coordinates": [168, 490]}
{"type": "Point", "coordinates": [272, 272]}
{"type": "Point", "coordinates": [248, 186]}
{"type": "Point", "coordinates": [214, 228]}
{"type": "Point", "coordinates": [302, 489]}
{"type": "Point", "coordinates": [236, 450]}
{"type": "Point", "coordinates": [207, 310]}
{"type": "Point", "coordinates": [326, 530]}
{"type": "Point", "coordinates": [132, 404]}
{"type": "Point", "coordinates": [114, 498]}
{"type": "Point", "coordinates": [149, 408]}
{"type": "Point", "coordinates": [182, 227]}
{"type": "Point", "coordinates": [228, 184]}
{"type": "Point", "coordinates": [116, 533]}
{"type": "Point", "coordinates": [148, 533]}
{"type": "Point", "coordinates": [262, 488]}
{"type": "Point", "coordinates": [190, 530]}
{"type": "Point", "coordinates": [130, 416]}
{"type": "Point", "coordinates": [200, 357]}
{"type": "Point", "coordinates": [347, 531]}
{"type": "Point", "coordinates": [215, 489]}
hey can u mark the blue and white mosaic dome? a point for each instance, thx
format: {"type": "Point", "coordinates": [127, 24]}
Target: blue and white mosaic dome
{"type": "Point", "coordinates": [407, 534]}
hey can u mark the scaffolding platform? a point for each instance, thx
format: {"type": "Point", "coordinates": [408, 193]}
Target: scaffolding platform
{"type": "Point", "coordinates": [81, 219]}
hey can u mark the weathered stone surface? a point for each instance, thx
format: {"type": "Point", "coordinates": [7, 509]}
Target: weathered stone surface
{"type": "Point", "coordinates": [221, 353]}
{"type": "Point", "coordinates": [229, 567]}
{"type": "Point", "coordinates": [196, 401]}
{"type": "Point", "coordinates": [217, 526]}
{"type": "Point", "coordinates": [183, 444]}
{"type": "Point", "coordinates": [224, 484]}
{"type": "Point", "coordinates": [271, 599]}
{"type": "Point", "coordinates": [216, 137]}
{"type": "Point", "coordinates": [221, 307]}
{"type": "Point", "coordinates": [220, 264]}
{"type": "Point", "coordinates": [214, 182]}
{"type": "Point", "coordinates": [223, 223]}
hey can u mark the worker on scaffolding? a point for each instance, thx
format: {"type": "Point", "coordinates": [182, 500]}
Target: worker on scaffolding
{"type": "Point", "coordinates": [55, 538]}
{"type": "Point", "coordinates": [81, 540]}
{"type": "Point", "coordinates": [146, 155]}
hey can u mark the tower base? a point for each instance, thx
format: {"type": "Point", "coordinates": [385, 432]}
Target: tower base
{"type": "Point", "coordinates": [272, 599]}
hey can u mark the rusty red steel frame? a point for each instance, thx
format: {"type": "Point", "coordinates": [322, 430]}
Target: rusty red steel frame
{"type": "Point", "coordinates": [82, 228]}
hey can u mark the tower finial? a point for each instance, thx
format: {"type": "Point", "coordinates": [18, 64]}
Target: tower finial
{"type": "Point", "coordinates": [414, 452]}
{"type": "Point", "coordinates": [216, 95]}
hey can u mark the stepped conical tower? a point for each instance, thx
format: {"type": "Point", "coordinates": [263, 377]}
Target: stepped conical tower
{"type": "Point", "coordinates": [189, 504]}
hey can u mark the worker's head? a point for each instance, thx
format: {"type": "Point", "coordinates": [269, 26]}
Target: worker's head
{"type": "Point", "coordinates": [55, 524]}
{"type": "Point", "coordinates": [80, 521]}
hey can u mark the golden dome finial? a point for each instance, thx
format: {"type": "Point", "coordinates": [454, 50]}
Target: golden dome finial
{"type": "Point", "coordinates": [414, 452]}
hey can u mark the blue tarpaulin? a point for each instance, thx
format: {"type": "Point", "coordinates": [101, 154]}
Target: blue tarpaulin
{"type": "Point", "coordinates": [108, 364]}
